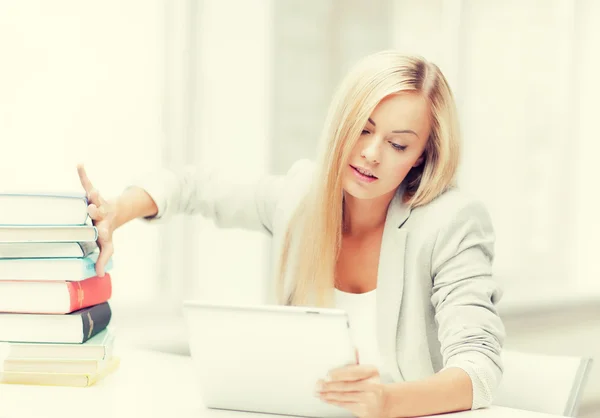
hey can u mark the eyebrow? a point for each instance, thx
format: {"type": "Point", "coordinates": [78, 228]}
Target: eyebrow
{"type": "Point", "coordinates": [401, 131]}
{"type": "Point", "coordinates": [406, 131]}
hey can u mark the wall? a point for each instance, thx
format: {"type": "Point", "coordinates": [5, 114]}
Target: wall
{"type": "Point", "coordinates": [83, 82]}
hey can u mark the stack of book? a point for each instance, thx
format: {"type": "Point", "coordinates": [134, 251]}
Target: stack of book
{"type": "Point", "coordinates": [54, 309]}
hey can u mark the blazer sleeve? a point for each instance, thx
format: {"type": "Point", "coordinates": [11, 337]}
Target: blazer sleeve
{"type": "Point", "coordinates": [465, 297]}
{"type": "Point", "coordinates": [231, 202]}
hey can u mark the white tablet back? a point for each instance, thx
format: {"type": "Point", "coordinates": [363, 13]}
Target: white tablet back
{"type": "Point", "coordinates": [267, 359]}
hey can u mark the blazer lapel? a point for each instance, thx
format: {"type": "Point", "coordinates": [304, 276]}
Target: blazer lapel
{"type": "Point", "coordinates": [390, 283]}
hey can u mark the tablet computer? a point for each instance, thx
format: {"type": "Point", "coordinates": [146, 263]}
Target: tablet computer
{"type": "Point", "coordinates": [267, 358]}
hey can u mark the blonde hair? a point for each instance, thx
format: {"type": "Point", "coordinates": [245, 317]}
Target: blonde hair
{"type": "Point", "coordinates": [316, 226]}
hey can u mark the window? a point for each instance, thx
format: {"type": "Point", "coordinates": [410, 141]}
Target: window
{"type": "Point", "coordinates": [522, 73]}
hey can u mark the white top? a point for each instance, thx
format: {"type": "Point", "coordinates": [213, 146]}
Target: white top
{"type": "Point", "coordinates": [362, 313]}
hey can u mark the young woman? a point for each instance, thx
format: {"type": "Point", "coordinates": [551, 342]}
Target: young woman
{"type": "Point", "coordinates": [375, 227]}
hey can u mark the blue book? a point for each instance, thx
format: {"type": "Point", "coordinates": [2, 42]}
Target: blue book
{"type": "Point", "coordinates": [43, 209]}
{"type": "Point", "coordinates": [51, 269]}
{"type": "Point", "coordinates": [47, 249]}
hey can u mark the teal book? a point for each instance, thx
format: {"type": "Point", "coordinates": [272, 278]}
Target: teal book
{"type": "Point", "coordinates": [51, 269]}
{"type": "Point", "coordinates": [47, 249]}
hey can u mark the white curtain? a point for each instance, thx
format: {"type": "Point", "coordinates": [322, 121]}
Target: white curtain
{"type": "Point", "coordinates": [217, 112]}
{"type": "Point", "coordinates": [234, 97]}
{"type": "Point", "coordinates": [523, 73]}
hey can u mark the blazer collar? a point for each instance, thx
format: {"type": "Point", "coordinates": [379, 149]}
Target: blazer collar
{"type": "Point", "coordinates": [390, 282]}
{"type": "Point", "coordinates": [398, 211]}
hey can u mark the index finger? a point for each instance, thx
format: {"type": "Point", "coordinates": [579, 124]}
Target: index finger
{"type": "Point", "coordinates": [84, 179]}
{"type": "Point", "coordinates": [352, 373]}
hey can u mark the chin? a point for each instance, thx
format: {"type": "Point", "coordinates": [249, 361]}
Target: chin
{"type": "Point", "coordinates": [361, 196]}
{"type": "Point", "coordinates": [357, 192]}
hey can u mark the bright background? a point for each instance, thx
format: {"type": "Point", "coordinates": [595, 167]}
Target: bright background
{"type": "Point", "coordinates": [128, 86]}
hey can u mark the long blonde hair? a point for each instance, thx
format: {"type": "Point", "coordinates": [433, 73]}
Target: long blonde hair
{"type": "Point", "coordinates": [315, 230]}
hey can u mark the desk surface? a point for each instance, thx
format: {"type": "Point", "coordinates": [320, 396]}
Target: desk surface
{"type": "Point", "coordinates": [148, 384]}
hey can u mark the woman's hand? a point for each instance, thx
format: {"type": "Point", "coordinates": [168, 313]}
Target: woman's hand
{"type": "Point", "coordinates": [103, 215]}
{"type": "Point", "coordinates": [357, 388]}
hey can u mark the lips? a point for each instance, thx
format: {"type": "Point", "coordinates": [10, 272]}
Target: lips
{"type": "Point", "coordinates": [364, 171]}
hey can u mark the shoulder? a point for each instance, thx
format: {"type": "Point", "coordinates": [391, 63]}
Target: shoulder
{"type": "Point", "coordinates": [454, 223]}
{"type": "Point", "coordinates": [299, 177]}
{"type": "Point", "coordinates": [452, 204]}
{"type": "Point", "coordinates": [301, 170]}
{"type": "Point", "coordinates": [295, 184]}
{"type": "Point", "coordinates": [454, 212]}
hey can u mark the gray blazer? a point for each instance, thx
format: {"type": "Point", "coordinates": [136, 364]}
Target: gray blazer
{"type": "Point", "coordinates": [436, 296]}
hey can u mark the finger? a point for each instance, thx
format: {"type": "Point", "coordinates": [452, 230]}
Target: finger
{"type": "Point", "coordinates": [353, 373]}
{"type": "Point", "coordinates": [349, 397]}
{"type": "Point", "coordinates": [356, 355]}
{"type": "Point", "coordinates": [97, 214]}
{"type": "Point", "coordinates": [106, 252]}
{"type": "Point", "coordinates": [84, 179]}
{"type": "Point", "coordinates": [101, 199]}
{"type": "Point", "coordinates": [104, 237]}
{"type": "Point", "coordinates": [94, 197]}
{"type": "Point", "coordinates": [360, 386]}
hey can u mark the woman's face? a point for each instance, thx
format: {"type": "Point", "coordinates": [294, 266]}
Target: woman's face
{"type": "Point", "coordinates": [391, 143]}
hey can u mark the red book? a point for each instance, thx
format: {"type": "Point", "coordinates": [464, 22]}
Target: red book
{"type": "Point", "coordinates": [53, 297]}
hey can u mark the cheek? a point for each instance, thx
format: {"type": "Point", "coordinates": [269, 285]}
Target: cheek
{"type": "Point", "coordinates": [355, 150]}
{"type": "Point", "coordinates": [401, 169]}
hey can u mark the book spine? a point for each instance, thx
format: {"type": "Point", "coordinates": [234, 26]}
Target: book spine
{"type": "Point", "coordinates": [89, 265]}
{"type": "Point", "coordinates": [87, 247]}
{"type": "Point", "coordinates": [95, 319]}
{"type": "Point", "coordinates": [89, 292]}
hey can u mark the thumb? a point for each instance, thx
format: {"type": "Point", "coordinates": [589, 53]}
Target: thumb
{"type": "Point", "coordinates": [105, 253]}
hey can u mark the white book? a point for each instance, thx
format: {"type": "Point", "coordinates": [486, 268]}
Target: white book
{"type": "Point", "coordinates": [99, 347]}
{"type": "Point", "coordinates": [76, 327]}
{"type": "Point", "coordinates": [65, 233]}
{"type": "Point", "coordinates": [43, 209]}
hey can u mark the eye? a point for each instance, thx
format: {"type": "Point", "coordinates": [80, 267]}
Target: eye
{"type": "Point", "coordinates": [398, 147]}
{"type": "Point", "coordinates": [365, 132]}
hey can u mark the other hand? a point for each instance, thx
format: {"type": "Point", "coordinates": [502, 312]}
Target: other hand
{"type": "Point", "coordinates": [357, 388]}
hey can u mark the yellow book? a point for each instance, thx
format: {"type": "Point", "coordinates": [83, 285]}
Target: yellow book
{"type": "Point", "coordinates": [42, 365]}
{"type": "Point", "coordinates": [60, 379]}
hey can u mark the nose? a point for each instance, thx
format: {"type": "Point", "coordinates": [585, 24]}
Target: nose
{"type": "Point", "coordinates": [371, 151]}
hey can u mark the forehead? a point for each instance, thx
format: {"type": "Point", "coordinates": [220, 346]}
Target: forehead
{"type": "Point", "coordinates": [404, 110]}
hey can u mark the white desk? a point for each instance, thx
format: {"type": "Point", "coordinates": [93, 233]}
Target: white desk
{"type": "Point", "coordinates": [148, 384]}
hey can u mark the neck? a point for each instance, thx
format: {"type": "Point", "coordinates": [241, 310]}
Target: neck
{"type": "Point", "coordinates": [362, 216]}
